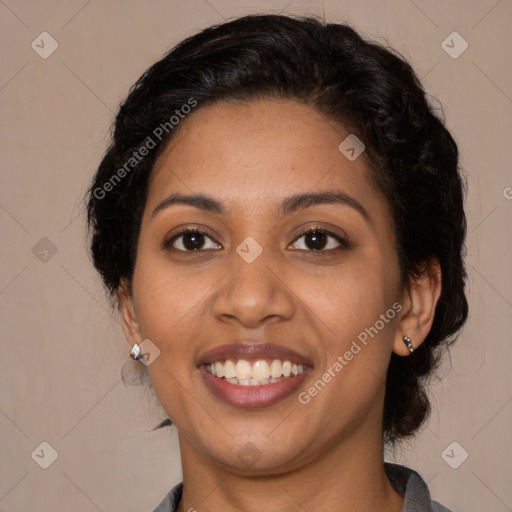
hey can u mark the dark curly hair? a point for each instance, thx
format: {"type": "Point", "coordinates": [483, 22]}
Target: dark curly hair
{"type": "Point", "coordinates": [367, 88]}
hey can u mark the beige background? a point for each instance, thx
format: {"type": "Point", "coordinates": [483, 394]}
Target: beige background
{"type": "Point", "coordinates": [62, 350]}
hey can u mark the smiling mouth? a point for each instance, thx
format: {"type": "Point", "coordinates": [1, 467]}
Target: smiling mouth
{"type": "Point", "coordinates": [251, 375]}
{"type": "Point", "coordinates": [260, 372]}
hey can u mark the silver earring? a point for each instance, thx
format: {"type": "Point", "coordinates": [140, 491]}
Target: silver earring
{"type": "Point", "coordinates": [408, 342]}
{"type": "Point", "coordinates": [135, 352]}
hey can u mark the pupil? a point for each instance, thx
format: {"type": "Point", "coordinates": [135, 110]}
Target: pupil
{"type": "Point", "coordinates": [317, 239]}
{"type": "Point", "coordinates": [193, 241]}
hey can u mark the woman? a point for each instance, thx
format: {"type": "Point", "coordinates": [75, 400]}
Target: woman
{"type": "Point", "coordinates": [280, 218]}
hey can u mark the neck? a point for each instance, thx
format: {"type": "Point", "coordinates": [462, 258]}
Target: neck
{"type": "Point", "coordinates": [348, 476]}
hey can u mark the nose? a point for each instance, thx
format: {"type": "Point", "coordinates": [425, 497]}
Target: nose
{"type": "Point", "coordinates": [253, 294]}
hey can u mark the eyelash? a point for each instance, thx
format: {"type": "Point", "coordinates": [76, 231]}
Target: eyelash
{"type": "Point", "coordinates": [344, 243]}
{"type": "Point", "coordinates": [196, 231]}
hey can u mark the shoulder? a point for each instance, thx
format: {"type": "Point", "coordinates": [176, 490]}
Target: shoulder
{"type": "Point", "coordinates": [409, 484]}
{"type": "Point", "coordinates": [171, 500]}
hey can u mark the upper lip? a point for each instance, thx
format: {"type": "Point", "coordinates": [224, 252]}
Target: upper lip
{"type": "Point", "coordinates": [252, 351]}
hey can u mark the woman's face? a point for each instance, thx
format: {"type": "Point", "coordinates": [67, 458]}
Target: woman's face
{"type": "Point", "coordinates": [253, 277]}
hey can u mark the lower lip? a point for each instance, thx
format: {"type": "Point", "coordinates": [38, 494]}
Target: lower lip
{"type": "Point", "coordinates": [248, 397]}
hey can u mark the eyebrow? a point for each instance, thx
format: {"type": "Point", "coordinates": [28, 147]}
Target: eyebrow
{"type": "Point", "coordinates": [200, 201]}
{"type": "Point", "coordinates": [288, 205]}
{"type": "Point", "coordinates": [307, 199]}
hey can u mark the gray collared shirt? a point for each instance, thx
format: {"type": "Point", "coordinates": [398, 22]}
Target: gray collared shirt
{"type": "Point", "coordinates": [405, 481]}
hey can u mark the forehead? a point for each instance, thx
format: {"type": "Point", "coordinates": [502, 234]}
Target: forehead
{"type": "Point", "coordinates": [252, 154]}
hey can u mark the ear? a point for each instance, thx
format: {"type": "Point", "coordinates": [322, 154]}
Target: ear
{"type": "Point", "coordinates": [419, 300]}
{"type": "Point", "coordinates": [129, 319]}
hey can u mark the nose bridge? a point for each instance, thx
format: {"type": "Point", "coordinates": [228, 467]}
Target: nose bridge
{"type": "Point", "coordinates": [252, 291]}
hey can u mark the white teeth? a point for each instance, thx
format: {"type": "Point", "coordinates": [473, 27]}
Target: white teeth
{"type": "Point", "coordinates": [276, 369]}
{"type": "Point", "coordinates": [219, 369]}
{"type": "Point", "coordinates": [260, 370]}
{"type": "Point", "coordinates": [257, 374]}
{"type": "Point", "coordinates": [229, 369]}
{"type": "Point", "coordinates": [242, 368]}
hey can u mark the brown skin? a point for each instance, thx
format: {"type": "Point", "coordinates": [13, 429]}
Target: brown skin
{"type": "Point", "coordinates": [249, 156]}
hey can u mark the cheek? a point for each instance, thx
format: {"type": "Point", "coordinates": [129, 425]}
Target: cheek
{"type": "Point", "coordinates": [351, 296]}
{"type": "Point", "coordinates": [356, 339]}
{"type": "Point", "coordinates": [169, 309]}
{"type": "Point", "coordinates": [164, 297]}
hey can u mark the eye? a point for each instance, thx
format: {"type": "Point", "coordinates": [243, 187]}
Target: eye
{"type": "Point", "coordinates": [191, 240]}
{"type": "Point", "coordinates": [319, 239]}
